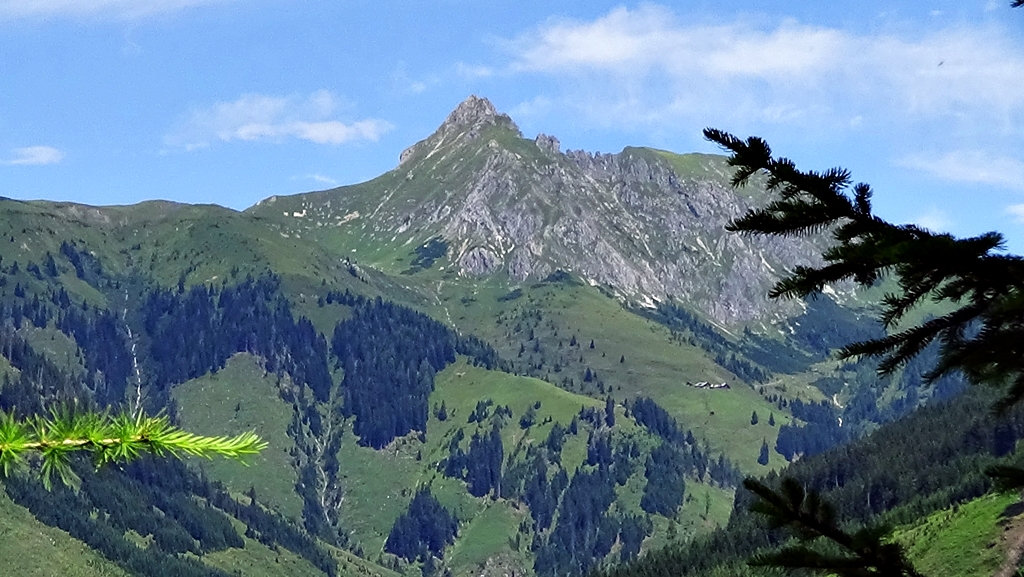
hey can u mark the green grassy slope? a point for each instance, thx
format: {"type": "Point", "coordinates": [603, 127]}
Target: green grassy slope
{"type": "Point", "coordinates": [378, 485]}
{"type": "Point", "coordinates": [346, 221]}
{"type": "Point", "coordinates": [197, 244]}
{"type": "Point", "coordinates": [652, 364]}
{"type": "Point", "coordinates": [239, 398]}
{"type": "Point", "coordinates": [968, 540]}
{"type": "Point", "coordinates": [631, 356]}
{"type": "Point", "coordinates": [258, 559]}
{"type": "Point", "coordinates": [261, 561]}
{"type": "Point", "coordinates": [315, 248]}
{"type": "Point", "coordinates": [168, 243]}
{"type": "Point", "coordinates": [490, 528]}
{"type": "Point", "coordinates": [29, 548]}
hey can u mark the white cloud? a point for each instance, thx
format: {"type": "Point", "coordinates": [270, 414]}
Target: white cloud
{"type": "Point", "coordinates": [257, 117]}
{"type": "Point", "coordinates": [934, 220]}
{"type": "Point", "coordinates": [971, 166]}
{"type": "Point", "coordinates": [536, 106]}
{"type": "Point", "coordinates": [404, 83]}
{"type": "Point", "coordinates": [652, 67]}
{"type": "Point", "coordinates": [35, 156]}
{"type": "Point", "coordinates": [1017, 212]}
{"type": "Point", "coordinates": [119, 9]}
{"type": "Point", "coordinates": [473, 71]}
{"type": "Point", "coordinates": [640, 41]}
{"type": "Point", "coordinates": [318, 178]}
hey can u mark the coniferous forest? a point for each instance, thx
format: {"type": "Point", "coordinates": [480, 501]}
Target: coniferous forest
{"type": "Point", "coordinates": [389, 356]}
{"type": "Point", "coordinates": [505, 359]}
{"type": "Point", "coordinates": [373, 375]}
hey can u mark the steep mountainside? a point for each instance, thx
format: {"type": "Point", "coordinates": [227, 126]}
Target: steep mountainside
{"type": "Point", "coordinates": [496, 358]}
{"type": "Point", "coordinates": [645, 223]}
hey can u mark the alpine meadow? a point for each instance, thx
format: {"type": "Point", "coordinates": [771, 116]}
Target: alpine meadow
{"type": "Point", "coordinates": [503, 357]}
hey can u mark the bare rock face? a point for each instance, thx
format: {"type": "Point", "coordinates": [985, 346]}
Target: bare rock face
{"type": "Point", "coordinates": [549, 144]}
{"type": "Point", "coordinates": [472, 111]}
{"type": "Point", "coordinates": [465, 122]}
{"type": "Point", "coordinates": [479, 261]}
{"type": "Point", "coordinates": [646, 224]}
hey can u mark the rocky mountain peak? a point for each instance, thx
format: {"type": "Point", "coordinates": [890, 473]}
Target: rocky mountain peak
{"type": "Point", "coordinates": [473, 110]}
{"type": "Point", "coordinates": [473, 114]}
{"type": "Point", "coordinates": [548, 144]}
{"type": "Point", "coordinates": [467, 120]}
{"type": "Point", "coordinates": [649, 225]}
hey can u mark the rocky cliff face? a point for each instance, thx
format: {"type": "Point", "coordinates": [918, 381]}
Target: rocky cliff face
{"type": "Point", "coordinates": [647, 224]}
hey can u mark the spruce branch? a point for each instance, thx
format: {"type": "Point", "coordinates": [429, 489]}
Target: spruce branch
{"type": "Point", "coordinates": [53, 438]}
{"type": "Point", "coordinates": [861, 554]}
{"type": "Point", "coordinates": [983, 337]}
{"type": "Point", "coordinates": [1006, 478]}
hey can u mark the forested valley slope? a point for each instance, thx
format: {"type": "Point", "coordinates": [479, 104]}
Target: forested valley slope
{"type": "Point", "coordinates": [497, 358]}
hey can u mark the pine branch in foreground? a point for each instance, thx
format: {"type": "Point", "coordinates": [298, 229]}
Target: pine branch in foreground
{"type": "Point", "coordinates": [861, 554]}
{"type": "Point", "coordinates": [54, 438]}
{"type": "Point", "coordinates": [983, 337]}
{"type": "Point", "coordinates": [1006, 478]}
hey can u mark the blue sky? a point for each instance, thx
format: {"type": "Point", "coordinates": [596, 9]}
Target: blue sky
{"type": "Point", "coordinates": [228, 102]}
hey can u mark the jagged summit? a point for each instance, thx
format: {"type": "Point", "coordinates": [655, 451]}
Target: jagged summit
{"type": "Point", "coordinates": [548, 144]}
{"type": "Point", "coordinates": [473, 114]}
{"type": "Point", "coordinates": [470, 117]}
{"type": "Point", "coordinates": [647, 224]}
{"type": "Point", "coordinates": [473, 110]}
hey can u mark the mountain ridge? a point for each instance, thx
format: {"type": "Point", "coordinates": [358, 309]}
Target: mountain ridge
{"type": "Point", "coordinates": [647, 224]}
{"type": "Point", "coordinates": [489, 233]}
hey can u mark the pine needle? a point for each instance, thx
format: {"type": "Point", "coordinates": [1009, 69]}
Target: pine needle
{"type": "Point", "coordinates": [108, 438]}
